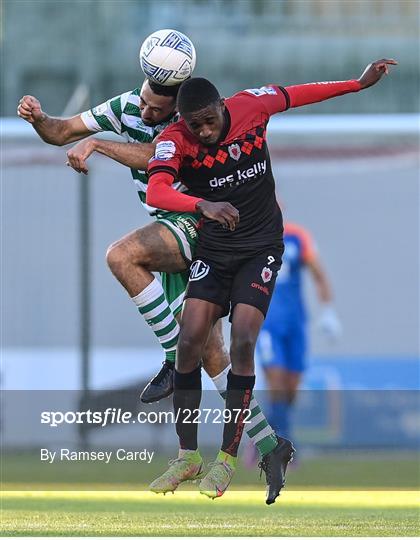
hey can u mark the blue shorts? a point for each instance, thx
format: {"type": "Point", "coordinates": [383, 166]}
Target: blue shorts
{"type": "Point", "coordinates": [283, 349]}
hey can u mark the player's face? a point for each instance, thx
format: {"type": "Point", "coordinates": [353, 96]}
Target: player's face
{"type": "Point", "coordinates": [207, 124]}
{"type": "Point", "coordinates": [154, 108]}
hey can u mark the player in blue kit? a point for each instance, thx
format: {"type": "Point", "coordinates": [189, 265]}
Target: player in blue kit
{"type": "Point", "coordinates": [282, 342]}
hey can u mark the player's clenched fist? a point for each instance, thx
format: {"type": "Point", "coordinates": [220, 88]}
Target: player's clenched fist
{"type": "Point", "coordinates": [78, 155]}
{"type": "Point", "coordinates": [223, 212]}
{"type": "Point", "coordinates": [29, 108]}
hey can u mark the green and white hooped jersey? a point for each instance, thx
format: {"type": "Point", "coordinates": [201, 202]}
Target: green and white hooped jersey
{"type": "Point", "coordinates": [122, 115]}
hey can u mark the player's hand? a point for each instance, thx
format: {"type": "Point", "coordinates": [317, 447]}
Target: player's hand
{"type": "Point", "coordinates": [78, 155]}
{"type": "Point", "coordinates": [329, 324]}
{"type": "Point", "coordinates": [374, 72]}
{"type": "Point", "coordinates": [29, 108]}
{"type": "Point", "coordinates": [223, 212]}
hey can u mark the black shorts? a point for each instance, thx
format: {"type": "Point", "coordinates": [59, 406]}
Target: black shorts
{"type": "Point", "coordinates": [237, 278]}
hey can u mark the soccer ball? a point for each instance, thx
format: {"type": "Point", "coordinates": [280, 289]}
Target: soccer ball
{"type": "Point", "coordinates": [167, 57]}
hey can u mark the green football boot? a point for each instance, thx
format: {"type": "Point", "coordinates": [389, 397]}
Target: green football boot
{"type": "Point", "coordinates": [217, 480]}
{"type": "Point", "coordinates": [186, 467]}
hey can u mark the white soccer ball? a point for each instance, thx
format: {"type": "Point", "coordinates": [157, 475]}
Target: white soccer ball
{"type": "Point", "coordinates": [167, 57]}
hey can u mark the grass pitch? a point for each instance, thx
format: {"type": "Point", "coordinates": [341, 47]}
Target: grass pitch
{"type": "Point", "coordinates": [345, 495]}
{"type": "Point", "coordinates": [186, 513]}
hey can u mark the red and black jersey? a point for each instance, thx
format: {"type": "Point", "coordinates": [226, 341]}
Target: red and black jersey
{"type": "Point", "coordinates": [237, 169]}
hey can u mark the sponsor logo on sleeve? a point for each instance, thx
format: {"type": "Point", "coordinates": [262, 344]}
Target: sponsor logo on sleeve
{"type": "Point", "coordinates": [100, 109]}
{"type": "Point", "coordinates": [165, 150]}
{"type": "Point", "coordinates": [263, 91]}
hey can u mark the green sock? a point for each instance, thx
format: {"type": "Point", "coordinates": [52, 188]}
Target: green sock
{"type": "Point", "coordinates": [170, 356]}
{"type": "Point", "coordinates": [153, 306]}
{"type": "Point", "coordinates": [259, 430]}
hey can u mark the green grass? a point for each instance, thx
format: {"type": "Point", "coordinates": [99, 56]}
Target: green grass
{"type": "Point", "coordinates": [357, 494]}
{"type": "Point", "coordinates": [355, 470]}
{"type": "Point", "coordinates": [296, 513]}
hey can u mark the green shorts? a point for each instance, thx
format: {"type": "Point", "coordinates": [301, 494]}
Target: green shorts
{"type": "Point", "coordinates": [184, 228]}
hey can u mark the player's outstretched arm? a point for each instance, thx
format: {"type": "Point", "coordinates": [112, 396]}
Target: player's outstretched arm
{"type": "Point", "coordinates": [133, 155]}
{"type": "Point", "coordinates": [305, 94]}
{"type": "Point", "coordinates": [57, 131]}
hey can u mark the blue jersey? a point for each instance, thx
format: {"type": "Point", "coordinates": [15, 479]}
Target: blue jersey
{"type": "Point", "coordinates": [282, 340]}
{"type": "Point", "coordinates": [287, 306]}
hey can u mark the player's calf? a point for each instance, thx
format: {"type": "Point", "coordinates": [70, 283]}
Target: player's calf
{"type": "Point", "coordinates": [132, 260]}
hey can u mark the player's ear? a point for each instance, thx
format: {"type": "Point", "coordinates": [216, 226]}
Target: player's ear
{"type": "Point", "coordinates": [222, 104]}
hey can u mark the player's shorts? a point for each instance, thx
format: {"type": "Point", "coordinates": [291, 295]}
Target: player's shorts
{"type": "Point", "coordinates": [235, 278]}
{"type": "Point", "coordinates": [283, 347]}
{"type": "Point", "coordinates": [184, 227]}
{"type": "Point", "coordinates": [174, 286]}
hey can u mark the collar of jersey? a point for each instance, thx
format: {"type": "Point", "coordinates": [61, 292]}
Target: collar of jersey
{"type": "Point", "coordinates": [226, 127]}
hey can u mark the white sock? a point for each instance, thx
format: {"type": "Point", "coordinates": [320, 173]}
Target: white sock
{"type": "Point", "coordinates": [220, 380]}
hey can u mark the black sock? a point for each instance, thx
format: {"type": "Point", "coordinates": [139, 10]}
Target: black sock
{"type": "Point", "coordinates": [187, 397]}
{"type": "Point", "coordinates": [239, 393]}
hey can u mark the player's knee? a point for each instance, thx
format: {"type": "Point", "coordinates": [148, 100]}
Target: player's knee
{"type": "Point", "coordinates": [115, 256]}
{"type": "Point", "coordinates": [121, 253]}
{"type": "Point", "coordinates": [188, 343]}
{"type": "Point", "coordinates": [112, 256]}
{"type": "Point", "coordinates": [242, 345]}
{"type": "Point", "coordinates": [242, 354]}
{"type": "Point", "coordinates": [188, 352]}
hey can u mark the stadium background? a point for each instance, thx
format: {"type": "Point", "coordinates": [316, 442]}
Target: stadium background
{"type": "Point", "coordinates": [356, 190]}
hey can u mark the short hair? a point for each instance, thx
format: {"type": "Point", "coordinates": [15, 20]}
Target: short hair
{"type": "Point", "coordinates": [160, 90]}
{"type": "Point", "coordinates": [196, 94]}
